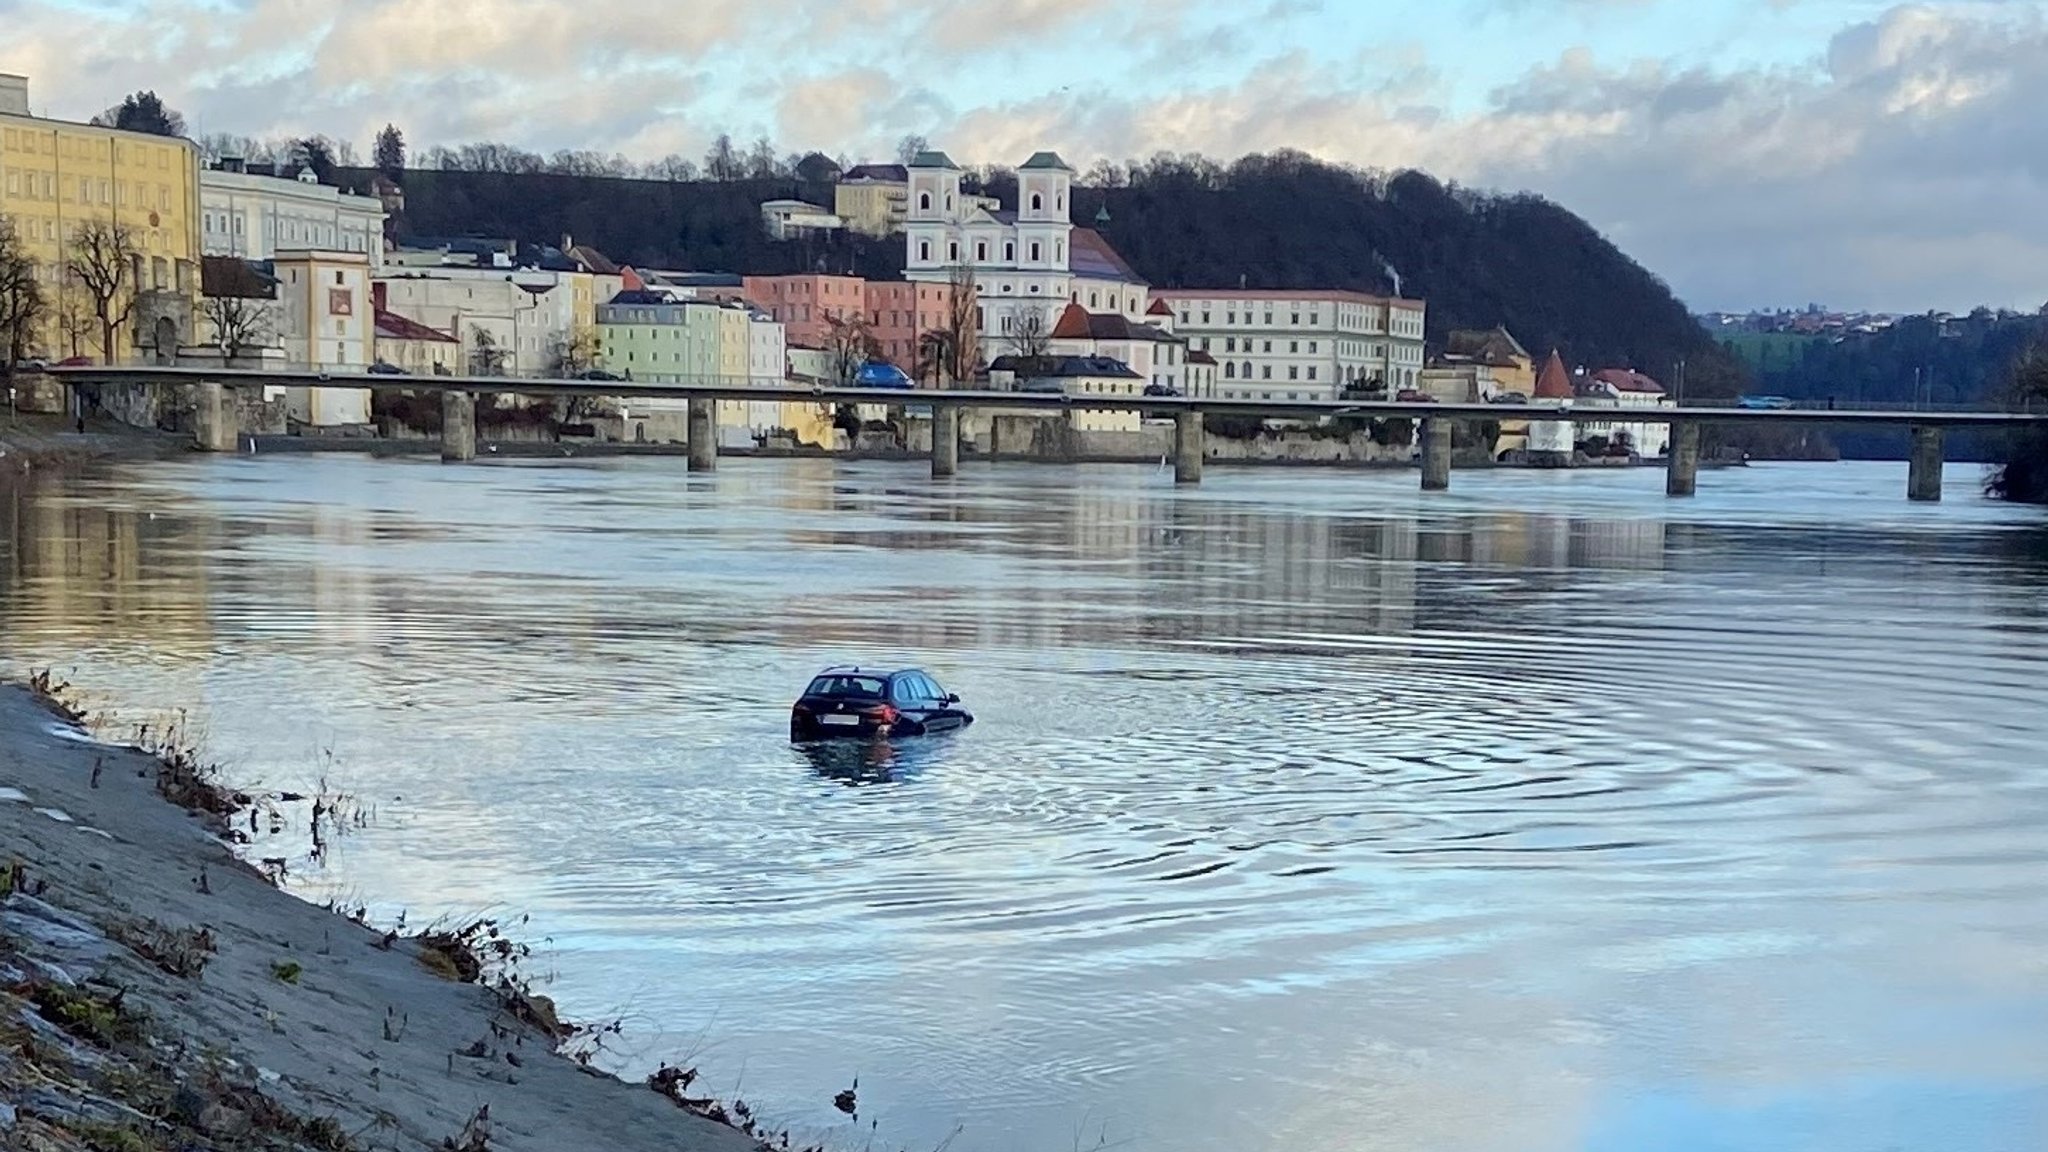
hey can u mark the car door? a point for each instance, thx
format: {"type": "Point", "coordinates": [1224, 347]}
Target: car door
{"type": "Point", "coordinates": [908, 697]}
{"type": "Point", "coordinates": [944, 716]}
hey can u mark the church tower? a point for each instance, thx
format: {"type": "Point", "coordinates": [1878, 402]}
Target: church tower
{"type": "Point", "coordinates": [1045, 227]}
{"type": "Point", "coordinates": [931, 231]}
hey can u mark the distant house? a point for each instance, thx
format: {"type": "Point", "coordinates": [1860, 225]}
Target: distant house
{"type": "Point", "coordinates": [873, 198]}
{"type": "Point", "coordinates": [1626, 388]}
{"type": "Point", "coordinates": [793, 219]}
{"type": "Point", "coordinates": [1075, 376]}
{"type": "Point", "coordinates": [417, 348]}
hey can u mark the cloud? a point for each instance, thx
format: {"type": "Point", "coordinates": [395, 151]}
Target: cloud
{"type": "Point", "coordinates": [1900, 163]}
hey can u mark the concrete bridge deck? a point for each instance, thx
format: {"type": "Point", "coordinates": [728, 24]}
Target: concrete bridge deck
{"type": "Point", "coordinates": [459, 394]}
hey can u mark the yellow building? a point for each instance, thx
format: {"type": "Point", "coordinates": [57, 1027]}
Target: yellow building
{"type": "Point", "coordinates": [873, 198]}
{"type": "Point", "coordinates": [56, 176]}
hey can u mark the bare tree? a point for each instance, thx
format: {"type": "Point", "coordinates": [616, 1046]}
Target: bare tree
{"type": "Point", "coordinates": [962, 329]}
{"type": "Point", "coordinates": [486, 356]}
{"type": "Point", "coordinates": [240, 323]}
{"type": "Point", "coordinates": [723, 161]}
{"type": "Point", "coordinates": [672, 167]}
{"type": "Point", "coordinates": [23, 305]}
{"type": "Point", "coordinates": [75, 324]}
{"type": "Point", "coordinates": [1030, 337]}
{"type": "Point", "coordinates": [908, 148]}
{"type": "Point", "coordinates": [850, 345]}
{"type": "Point", "coordinates": [574, 354]}
{"type": "Point", "coordinates": [106, 265]}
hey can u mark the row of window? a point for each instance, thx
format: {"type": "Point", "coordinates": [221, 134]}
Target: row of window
{"type": "Point", "coordinates": [1230, 345]}
{"type": "Point", "coordinates": [1230, 317]}
{"type": "Point", "coordinates": [1294, 371]}
{"type": "Point", "coordinates": [107, 193]}
{"type": "Point", "coordinates": [37, 143]}
{"type": "Point", "coordinates": [1036, 249]}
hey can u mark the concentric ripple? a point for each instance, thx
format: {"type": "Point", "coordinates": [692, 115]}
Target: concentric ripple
{"type": "Point", "coordinates": [1303, 811]}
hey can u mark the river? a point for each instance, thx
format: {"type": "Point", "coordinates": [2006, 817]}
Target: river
{"type": "Point", "coordinates": [1305, 810]}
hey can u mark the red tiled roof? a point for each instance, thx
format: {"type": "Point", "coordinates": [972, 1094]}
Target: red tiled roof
{"type": "Point", "coordinates": [1073, 324]}
{"type": "Point", "coordinates": [630, 281]}
{"type": "Point", "coordinates": [1159, 308]}
{"type": "Point", "coordinates": [1280, 294]}
{"type": "Point", "coordinates": [392, 326]}
{"type": "Point", "coordinates": [1200, 357]}
{"type": "Point", "coordinates": [1554, 383]}
{"type": "Point", "coordinates": [1628, 380]}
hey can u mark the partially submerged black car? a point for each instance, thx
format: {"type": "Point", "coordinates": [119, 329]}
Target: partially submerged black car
{"type": "Point", "coordinates": [870, 702]}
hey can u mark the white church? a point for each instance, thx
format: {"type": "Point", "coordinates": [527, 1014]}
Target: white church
{"type": "Point", "coordinates": [1029, 263]}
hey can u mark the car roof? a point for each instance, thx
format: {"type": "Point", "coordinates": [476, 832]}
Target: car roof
{"type": "Point", "coordinates": [855, 669]}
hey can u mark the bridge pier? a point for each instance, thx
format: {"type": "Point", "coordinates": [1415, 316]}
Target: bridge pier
{"type": "Point", "coordinates": [1188, 446]}
{"type": "Point", "coordinates": [1436, 454]}
{"type": "Point", "coordinates": [214, 428]}
{"type": "Point", "coordinates": [1682, 465]}
{"type": "Point", "coordinates": [1923, 468]}
{"type": "Point", "coordinates": [458, 426]}
{"type": "Point", "coordinates": [945, 440]}
{"type": "Point", "coordinates": [703, 435]}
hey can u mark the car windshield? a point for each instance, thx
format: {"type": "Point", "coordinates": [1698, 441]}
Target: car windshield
{"type": "Point", "coordinates": [858, 687]}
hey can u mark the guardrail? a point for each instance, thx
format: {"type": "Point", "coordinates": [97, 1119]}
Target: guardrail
{"type": "Point", "coordinates": [1575, 412]}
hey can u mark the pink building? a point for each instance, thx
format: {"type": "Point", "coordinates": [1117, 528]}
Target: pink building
{"type": "Point", "coordinates": [896, 311]}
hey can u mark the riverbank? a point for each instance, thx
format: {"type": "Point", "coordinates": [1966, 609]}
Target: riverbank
{"type": "Point", "coordinates": [158, 992]}
{"type": "Point", "coordinates": [31, 440]}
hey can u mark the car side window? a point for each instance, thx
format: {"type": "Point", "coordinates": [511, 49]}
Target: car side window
{"type": "Point", "coordinates": [903, 690]}
{"type": "Point", "coordinates": [932, 690]}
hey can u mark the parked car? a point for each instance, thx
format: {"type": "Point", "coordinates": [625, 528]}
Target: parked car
{"type": "Point", "coordinates": [1161, 390]}
{"type": "Point", "coordinates": [880, 374]}
{"type": "Point", "coordinates": [1414, 396]}
{"type": "Point", "coordinates": [380, 368]}
{"type": "Point", "coordinates": [1507, 398]}
{"type": "Point", "coordinates": [866, 703]}
{"type": "Point", "coordinates": [1052, 386]}
{"type": "Point", "coordinates": [598, 374]}
{"type": "Point", "coordinates": [1772, 403]}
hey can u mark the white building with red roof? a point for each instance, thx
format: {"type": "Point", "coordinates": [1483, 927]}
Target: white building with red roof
{"type": "Point", "coordinates": [1028, 262]}
{"type": "Point", "coordinates": [1300, 343]}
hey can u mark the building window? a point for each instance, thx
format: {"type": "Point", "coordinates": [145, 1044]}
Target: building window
{"type": "Point", "coordinates": [1228, 317]}
{"type": "Point", "coordinates": [1311, 347]}
{"type": "Point", "coordinates": [1205, 317]}
{"type": "Point", "coordinates": [1269, 317]}
{"type": "Point", "coordinates": [1009, 251]}
{"type": "Point", "coordinates": [1294, 345]}
{"type": "Point", "coordinates": [1268, 347]}
{"type": "Point", "coordinates": [1093, 299]}
{"type": "Point", "coordinates": [953, 252]}
{"type": "Point", "coordinates": [1037, 202]}
{"type": "Point", "coordinates": [1266, 373]}
{"type": "Point", "coordinates": [924, 201]}
{"type": "Point", "coordinates": [1293, 373]}
{"type": "Point", "coordinates": [1059, 250]}
{"type": "Point", "coordinates": [1247, 371]}
{"type": "Point", "coordinates": [981, 251]}
{"type": "Point", "coordinates": [924, 250]}
{"type": "Point", "coordinates": [1311, 372]}
{"type": "Point", "coordinates": [1035, 252]}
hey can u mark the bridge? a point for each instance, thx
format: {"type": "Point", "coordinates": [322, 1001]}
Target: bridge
{"type": "Point", "coordinates": [214, 430]}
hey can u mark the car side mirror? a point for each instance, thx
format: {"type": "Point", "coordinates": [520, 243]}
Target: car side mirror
{"type": "Point", "coordinates": [952, 697]}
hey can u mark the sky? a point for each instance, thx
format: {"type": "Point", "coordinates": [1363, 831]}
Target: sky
{"type": "Point", "coordinates": [1753, 153]}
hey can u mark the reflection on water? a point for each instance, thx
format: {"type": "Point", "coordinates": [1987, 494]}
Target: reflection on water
{"type": "Point", "coordinates": [1302, 811]}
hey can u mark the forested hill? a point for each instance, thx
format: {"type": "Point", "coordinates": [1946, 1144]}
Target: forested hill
{"type": "Point", "coordinates": [1278, 221]}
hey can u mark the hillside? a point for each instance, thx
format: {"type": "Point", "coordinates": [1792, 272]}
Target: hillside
{"type": "Point", "coordinates": [1962, 362]}
{"type": "Point", "coordinates": [1277, 221]}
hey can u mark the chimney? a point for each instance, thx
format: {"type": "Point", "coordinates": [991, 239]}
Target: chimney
{"type": "Point", "coordinates": [13, 94]}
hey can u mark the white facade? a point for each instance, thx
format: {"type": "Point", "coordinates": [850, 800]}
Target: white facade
{"type": "Point", "coordinates": [256, 216]}
{"type": "Point", "coordinates": [1023, 261]}
{"type": "Point", "coordinates": [528, 313]}
{"type": "Point", "coordinates": [325, 323]}
{"type": "Point", "coordinates": [788, 219]}
{"type": "Point", "coordinates": [1627, 390]}
{"type": "Point", "coordinates": [1300, 344]}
